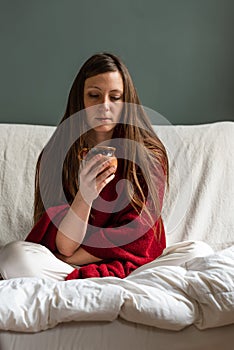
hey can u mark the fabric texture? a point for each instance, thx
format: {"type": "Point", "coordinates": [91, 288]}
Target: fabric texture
{"type": "Point", "coordinates": [187, 285]}
{"type": "Point", "coordinates": [122, 238]}
{"type": "Point", "coordinates": [26, 259]}
{"type": "Point", "coordinates": [199, 204]}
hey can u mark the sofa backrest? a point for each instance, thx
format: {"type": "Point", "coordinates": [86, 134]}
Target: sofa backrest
{"type": "Point", "coordinates": [20, 146]}
{"type": "Point", "coordinates": [198, 205]}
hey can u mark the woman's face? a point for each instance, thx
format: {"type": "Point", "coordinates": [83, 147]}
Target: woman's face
{"type": "Point", "coordinates": [103, 99]}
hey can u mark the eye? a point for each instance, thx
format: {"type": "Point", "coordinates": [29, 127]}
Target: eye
{"type": "Point", "coordinates": [92, 95]}
{"type": "Point", "coordinates": [116, 98]}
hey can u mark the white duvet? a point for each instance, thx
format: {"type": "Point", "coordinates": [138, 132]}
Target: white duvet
{"type": "Point", "coordinates": [169, 297]}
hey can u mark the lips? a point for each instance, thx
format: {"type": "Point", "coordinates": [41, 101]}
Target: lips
{"type": "Point", "coordinates": [104, 119]}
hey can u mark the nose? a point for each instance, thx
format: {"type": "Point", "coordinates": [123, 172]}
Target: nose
{"type": "Point", "coordinates": [106, 103]}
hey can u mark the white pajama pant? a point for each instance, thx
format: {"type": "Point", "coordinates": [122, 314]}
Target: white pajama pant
{"type": "Point", "coordinates": [26, 259]}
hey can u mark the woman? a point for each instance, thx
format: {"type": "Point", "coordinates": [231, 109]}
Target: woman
{"type": "Point", "coordinates": [98, 220]}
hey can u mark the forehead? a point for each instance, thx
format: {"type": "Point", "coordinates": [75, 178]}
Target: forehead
{"type": "Point", "coordinates": [105, 81]}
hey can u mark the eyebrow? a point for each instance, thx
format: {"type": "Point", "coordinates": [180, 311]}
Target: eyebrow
{"type": "Point", "coordinates": [96, 87]}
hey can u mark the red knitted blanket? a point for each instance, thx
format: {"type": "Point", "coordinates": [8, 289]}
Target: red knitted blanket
{"type": "Point", "coordinates": [117, 261]}
{"type": "Point", "coordinates": [119, 237]}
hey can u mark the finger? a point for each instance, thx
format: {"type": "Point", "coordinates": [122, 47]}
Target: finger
{"type": "Point", "coordinates": [100, 167]}
{"type": "Point", "coordinates": [104, 175]}
{"type": "Point", "coordinates": [105, 182]}
{"type": "Point", "coordinates": [88, 165]}
{"type": "Point", "coordinates": [104, 165]}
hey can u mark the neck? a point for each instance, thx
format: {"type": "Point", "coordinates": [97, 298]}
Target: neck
{"type": "Point", "coordinates": [101, 137]}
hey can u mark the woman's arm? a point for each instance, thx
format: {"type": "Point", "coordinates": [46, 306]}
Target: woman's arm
{"type": "Point", "coordinates": [73, 227]}
{"type": "Point", "coordinates": [80, 257]}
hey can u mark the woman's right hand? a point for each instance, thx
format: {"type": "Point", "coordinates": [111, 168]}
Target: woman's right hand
{"type": "Point", "coordinates": [94, 175]}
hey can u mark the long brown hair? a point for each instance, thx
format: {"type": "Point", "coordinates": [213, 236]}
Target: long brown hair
{"type": "Point", "coordinates": [134, 125]}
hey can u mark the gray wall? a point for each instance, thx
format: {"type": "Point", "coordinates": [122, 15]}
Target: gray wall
{"type": "Point", "coordinates": [180, 54]}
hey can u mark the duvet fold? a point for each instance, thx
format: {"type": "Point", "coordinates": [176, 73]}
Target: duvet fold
{"type": "Point", "coordinates": [201, 292]}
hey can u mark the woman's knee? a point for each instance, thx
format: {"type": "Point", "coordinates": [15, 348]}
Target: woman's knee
{"type": "Point", "coordinates": [13, 259]}
{"type": "Point", "coordinates": [198, 249]}
{"type": "Point", "coordinates": [10, 250]}
{"type": "Point", "coordinates": [26, 259]}
{"type": "Point", "coordinates": [181, 252]}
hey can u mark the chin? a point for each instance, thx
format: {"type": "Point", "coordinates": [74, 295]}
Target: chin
{"type": "Point", "coordinates": [104, 128]}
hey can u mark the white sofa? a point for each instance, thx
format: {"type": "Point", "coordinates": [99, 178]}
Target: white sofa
{"type": "Point", "coordinates": [189, 307]}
